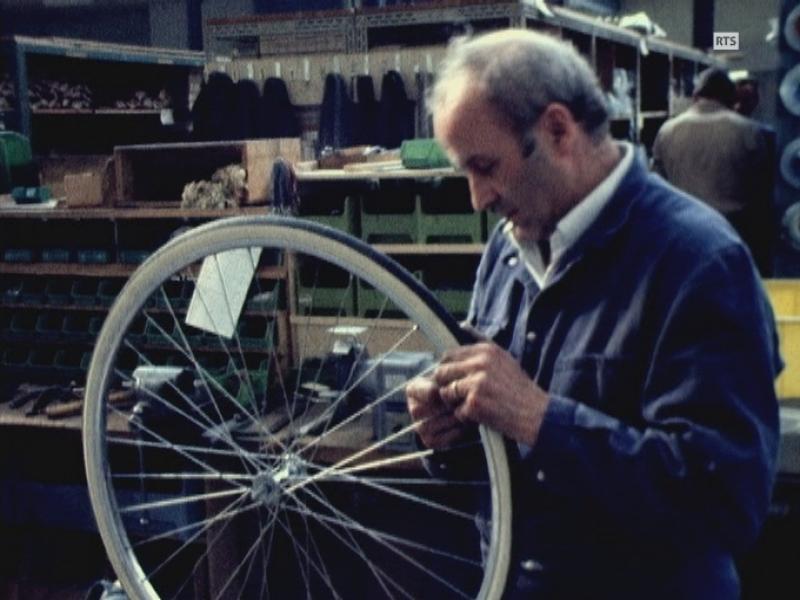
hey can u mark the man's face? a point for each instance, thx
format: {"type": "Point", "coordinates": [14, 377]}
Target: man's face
{"type": "Point", "coordinates": [501, 178]}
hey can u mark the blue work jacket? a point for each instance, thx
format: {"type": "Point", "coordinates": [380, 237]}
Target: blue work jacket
{"type": "Point", "coordinates": [656, 457]}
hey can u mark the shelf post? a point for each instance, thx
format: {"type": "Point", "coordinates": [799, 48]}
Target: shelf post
{"type": "Point", "coordinates": [19, 75]}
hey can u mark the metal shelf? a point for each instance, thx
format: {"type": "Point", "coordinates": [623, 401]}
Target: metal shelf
{"type": "Point", "coordinates": [85, 49]}
{"type": "Point", "coordinates": [113, 214]}
{"type": "Point", "coordinates": [83, 53]}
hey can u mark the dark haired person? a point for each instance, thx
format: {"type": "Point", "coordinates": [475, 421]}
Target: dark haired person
{"type": "Point", "coordinates": [724, 159]}
{"type": "Point", "coordinates": [631, 357]}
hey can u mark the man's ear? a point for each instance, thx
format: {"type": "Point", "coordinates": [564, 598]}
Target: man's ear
{"type": "Point", "coordinates": [559, 126]}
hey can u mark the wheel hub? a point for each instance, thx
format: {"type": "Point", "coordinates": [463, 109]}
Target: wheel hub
{"type": "Point", "coordinates": [268, 485]}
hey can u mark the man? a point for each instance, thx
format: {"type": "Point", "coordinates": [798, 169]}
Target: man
{"type": "Point", "coordinates": [632, 356]}
{"type": "Point", "coordinates": [723, 158]}
{"type": "Point", "coordinates": [747, 96]}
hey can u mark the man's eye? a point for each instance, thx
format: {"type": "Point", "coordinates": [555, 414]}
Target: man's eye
{"type": "Point", "coordinates": [484, 168]}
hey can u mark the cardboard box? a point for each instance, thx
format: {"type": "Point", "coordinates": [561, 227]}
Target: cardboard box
{"type": "Point", "coordinates": [83, 189]}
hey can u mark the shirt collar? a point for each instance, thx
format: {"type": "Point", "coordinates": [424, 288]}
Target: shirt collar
{"type": "Point", "coordinates": [574, 223]}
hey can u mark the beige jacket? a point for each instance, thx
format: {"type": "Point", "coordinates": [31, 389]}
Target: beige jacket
{"type": "Point", "coordinates": [716, 155]}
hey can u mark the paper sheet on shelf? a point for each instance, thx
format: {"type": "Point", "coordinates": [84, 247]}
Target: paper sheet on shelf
{"type": "Point", "coordinates": [221, 290]}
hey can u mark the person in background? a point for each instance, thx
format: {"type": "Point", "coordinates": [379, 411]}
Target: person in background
{"type": "Point", "coordinates": [747, 97]}
{"type": "Point", "coordinates": [630, 350]}
{"type": "Point", "coordinates": [724, 159]}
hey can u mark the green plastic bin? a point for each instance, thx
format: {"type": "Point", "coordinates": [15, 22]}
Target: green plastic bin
{"type": "Point", "coordinates": [330, 203]}
{"type": "Point", "coordinates": [16, 162]}
{"type": "Point", "coordinates": [390, 214]}
{"type": "Point", "coordinates": [446, 215]}
{"type": "Point", "coordinates": [324, 289]}
{"type": "Point", "coordinates": [425, 153]}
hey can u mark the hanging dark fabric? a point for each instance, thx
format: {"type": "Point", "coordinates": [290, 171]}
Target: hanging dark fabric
{"type": "Point", "coordinates": [214, 108]}
{"type": "Point", "coordinates": [247, 121]}
{"type": "Point", "coordinates": [279, 118]}
{"type": "Point", "coordinates": [366, 112]}
{"type": "Point", "coordinates": [396, 112]}
{"type": "Point", "coordinates": [336, 114]}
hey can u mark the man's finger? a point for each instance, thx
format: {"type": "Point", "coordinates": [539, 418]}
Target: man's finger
{"type": "Point", "coordinates": [445, 374]}
{"type": "Point", "coordinates": [422, 389]}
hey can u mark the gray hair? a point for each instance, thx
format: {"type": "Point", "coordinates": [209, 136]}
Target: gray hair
{"type": "Point", "coordinates": [521, 72]}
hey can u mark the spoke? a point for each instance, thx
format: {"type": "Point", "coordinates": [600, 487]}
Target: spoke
{"type": "Point", "coordinates": [207, 379]}
{"type": "Point", "coordinates": [183, 500]}
{"type": "Point", "coordinates": [246, 380]}
{"type": "Point", "coordinates": [366, 408]}
{"type": "Point", "coordinates": [167, 445]}
{"type": "Point", "coordinates": [226, 513]}
{"type": "Point", "coordinates": [330, 337]}
{"type": "Point", "coordinates": [185, 476]}
{"type": "Point", "coordinates": [209, 544]}
{"type": "Point", "coordinates": [385, 462]}
{"type": "Point", "coordinates": [406, 496]}
{"type": "Point", "coordinates": [249, 570]}
{"type": "Point", "coordinates": [299, 562]}
{"type": "Point", "coordinates": [187, 345]}
{"type": "Point", "coordinates": [226, 435]}
{"type": "Point", "coordinates": [429, 481]}
{"type": "Point", "coordinates": [302, 357]}
{"type": "Point", "coordinates": [320, 559]}
{"type": "Point", "coordinates": [227, 438]}
{"type": "Point", "coordinates": [265, 560]}
{"type": "Point", "coordinates": [250, 551]}
{"type": "Point", "coordinates": [346, 521]}
{"type": "Point", "coordinates": [371, 448]}
{"type": "Point", "coordinates": [322, 573]}
{"type": "Point", "coordinates": [355, 547]}
{"type": "Point", "coordinates": [384, 539]}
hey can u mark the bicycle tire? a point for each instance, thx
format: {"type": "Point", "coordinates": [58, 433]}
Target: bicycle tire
{"type": "Point", "coordinates": [292, 236]}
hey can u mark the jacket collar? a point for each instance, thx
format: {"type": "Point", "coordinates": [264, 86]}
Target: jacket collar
{"type": "Point", "coordinates": [611, 218]}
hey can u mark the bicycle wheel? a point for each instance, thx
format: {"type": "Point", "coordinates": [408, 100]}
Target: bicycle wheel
{"type": "Point", "coordinates": [236, 449]}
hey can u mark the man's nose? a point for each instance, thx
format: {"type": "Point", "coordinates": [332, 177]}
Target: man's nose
{"type": "Point", "coordinates": [481, 193]}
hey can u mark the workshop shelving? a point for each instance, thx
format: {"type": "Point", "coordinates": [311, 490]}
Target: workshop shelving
{"type": "Point", "coordinates": [422, 218]}
{"type": "Point", "coordinates": [644, 76]}
{"type": "Point", "coordinates": [64, 88]}
{"type": "Point", "coordinates": [51, 310]}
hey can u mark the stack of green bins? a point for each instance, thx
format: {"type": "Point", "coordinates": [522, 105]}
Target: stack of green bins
{"type": "Point", "coordinates": [390, 213]}
{"type": "Point", "coordinates": [323, 289]}
{"type": "Point", "coordinates": [330, 203]}
{"type": "Point", "coordinates": [372, 303]}
{"type": "Point", "coordinates": [446, 215]}
{"type": "Point", "coordinates": [451, 282]}
{"type": "Point", "coordinates": [257, 332]}
{"type": "Point", "coordinates": [255, 381]}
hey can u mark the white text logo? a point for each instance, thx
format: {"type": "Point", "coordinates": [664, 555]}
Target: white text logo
{"type": "Point", "coordinates": [726, 41]}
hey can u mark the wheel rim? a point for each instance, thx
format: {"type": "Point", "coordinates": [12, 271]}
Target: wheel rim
{"type": "Point", "coordinates": [170, 490]}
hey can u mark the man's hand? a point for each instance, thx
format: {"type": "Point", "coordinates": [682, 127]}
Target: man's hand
{"type": "Point", "coordinates": [483, 383]}
{"type": "Point", "coordinates": [437, 427]}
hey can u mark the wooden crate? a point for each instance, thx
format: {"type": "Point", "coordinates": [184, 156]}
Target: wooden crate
{"type": "Point", "coordinates": [155, 174]}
